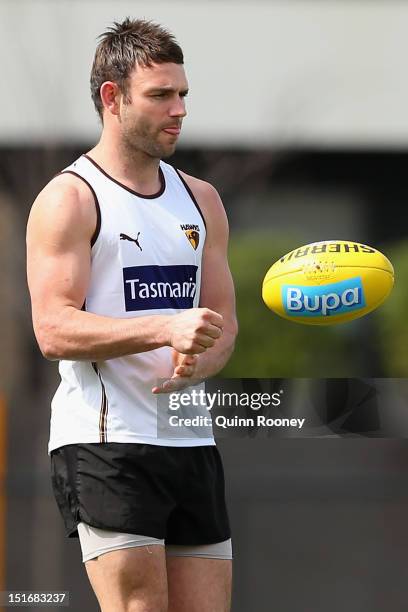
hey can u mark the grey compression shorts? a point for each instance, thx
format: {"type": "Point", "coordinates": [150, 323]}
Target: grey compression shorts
{"type": "Point", "coordinates": [95, 542]}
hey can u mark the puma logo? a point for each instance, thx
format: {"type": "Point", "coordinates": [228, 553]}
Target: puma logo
{"type": "Point", "coordinates": [135, 240]}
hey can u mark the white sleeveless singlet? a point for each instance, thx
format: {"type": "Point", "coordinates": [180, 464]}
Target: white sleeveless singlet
{"type": "Point", "coordinates": [145, 260]}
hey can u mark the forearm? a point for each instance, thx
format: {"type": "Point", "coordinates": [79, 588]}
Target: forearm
{"type": "Point", "coordinates": [78, 335]}
{"type": "Point", "coordinates": [215, 358]}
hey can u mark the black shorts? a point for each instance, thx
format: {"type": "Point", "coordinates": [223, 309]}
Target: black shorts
{"type": "Point", "coordinates": [170, 493]}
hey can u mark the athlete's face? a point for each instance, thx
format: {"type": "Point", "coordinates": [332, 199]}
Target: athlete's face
{"type": "Point", "coordinates": [151, 117]}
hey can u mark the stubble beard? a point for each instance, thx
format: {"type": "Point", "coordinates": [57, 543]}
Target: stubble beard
{"type": "Point", "coordinates": [139, 140]}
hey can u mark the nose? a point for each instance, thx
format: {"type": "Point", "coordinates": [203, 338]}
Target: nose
{"type": "Point", "coordinates": [178, 108]}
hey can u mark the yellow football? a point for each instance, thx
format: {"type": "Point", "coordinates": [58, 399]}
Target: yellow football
{"type": "Point", "coordinates": [328, 282]}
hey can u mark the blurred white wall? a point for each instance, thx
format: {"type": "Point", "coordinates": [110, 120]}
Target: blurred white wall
{"type": "Point", "coordinates": [262, 73]}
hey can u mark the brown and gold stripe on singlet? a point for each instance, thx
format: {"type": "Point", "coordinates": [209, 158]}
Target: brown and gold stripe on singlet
{"type": "Point", "coordinates": [103, 414]}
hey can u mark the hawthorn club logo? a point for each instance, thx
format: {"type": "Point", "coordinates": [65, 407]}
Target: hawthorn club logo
{"type": "Point", "coordinates": [192, 234]}
{"type": "Point", "coordinates": [135, 240]}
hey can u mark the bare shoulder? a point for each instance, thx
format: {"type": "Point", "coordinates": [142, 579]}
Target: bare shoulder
{"type": "Point", "coordinates": [211, 206]}
{"type": "Point", "coordinates": [65, 204]}
{"type": "Point", "coordinates": [207, 198]}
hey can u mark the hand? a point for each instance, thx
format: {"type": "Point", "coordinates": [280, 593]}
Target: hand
{"type": "Point", "coordinates": [184, 369]}
{"type": "Point", "coordinates": [194, 330]}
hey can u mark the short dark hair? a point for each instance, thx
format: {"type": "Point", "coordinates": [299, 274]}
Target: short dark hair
{"type": "Point", "coordinates": [125, 45]}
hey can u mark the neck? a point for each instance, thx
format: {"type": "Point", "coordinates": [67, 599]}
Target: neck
{"type": "Point", "coordinates": [133, 168]}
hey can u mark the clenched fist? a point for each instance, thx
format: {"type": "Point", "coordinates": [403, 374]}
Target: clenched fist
{"type": "Point", "coordinates": [195, 330]}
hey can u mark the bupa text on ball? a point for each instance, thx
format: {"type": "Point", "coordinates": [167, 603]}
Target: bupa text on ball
{"type": "Point", "coordinates": [324, 300]}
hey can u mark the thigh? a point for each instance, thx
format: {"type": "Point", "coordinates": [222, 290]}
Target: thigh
{"type": "Point", "coordinates": [96, 542]}
{"type": "Point", "coordinates": [199, 585]}
{"type": "Point", "coordinates": [131, 578]}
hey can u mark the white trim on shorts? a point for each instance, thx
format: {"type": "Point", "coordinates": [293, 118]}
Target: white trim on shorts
{"type": "Point", "coordinates": [95, 542]}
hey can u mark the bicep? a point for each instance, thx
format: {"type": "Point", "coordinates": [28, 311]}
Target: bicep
{"type": "Point", "coordinates": [58, 252]}
{"type": "Point", "coordinates": [217, 287]}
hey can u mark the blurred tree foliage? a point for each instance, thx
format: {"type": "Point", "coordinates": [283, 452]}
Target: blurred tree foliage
{"type": "Point", "coordinates": [393, 323]}
{"type": "Point", "coordinates": [269, 346]}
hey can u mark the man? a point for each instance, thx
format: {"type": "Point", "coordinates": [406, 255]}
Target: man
{"type": "Point", "coordinates": [131, 291]}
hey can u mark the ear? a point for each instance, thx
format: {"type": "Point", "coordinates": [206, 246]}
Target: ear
{"type": "Point", "coordinates": [110, 96]}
